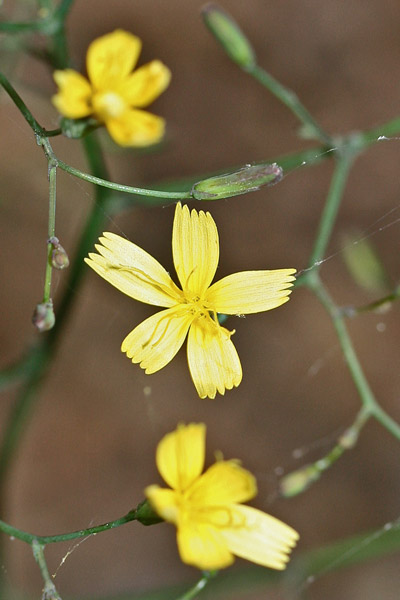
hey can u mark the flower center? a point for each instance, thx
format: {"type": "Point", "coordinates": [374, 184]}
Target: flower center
{"type": "Point", "coordinates": [197, 306]}
{"type": "Point", "coordinates": [108, 105]}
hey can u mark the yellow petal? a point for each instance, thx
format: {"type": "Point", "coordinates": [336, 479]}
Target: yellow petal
{"type": "Point", "coordinates": [180, 455]}
{"type": "Point", "coordinates": [111, 58]}
{"type": "Point", "coordinates": [258, 537]}
{"type": "Point", "coordinates": [195, 249]}
{"type": "Point", "coordinates": [223, 483]}
{"type": "Point", "coordinates": [251, 291]}
{"type": "Point", "coordinates": [156, 340]}
{"type": "Point", "coordinates": [146, 84]}
{"type": "Point", "coordinates": [136, 128]}
{"type": "Point", "coordinates": [203, 546]}
{"type": "Point", "coordinates": [164, 502]}
{"type": "Point", "coordinates": [73, 98]}
{"type": "Point", "coordinates": [213, 361]}
{"type": "Point", "coordinates": [133, 271]}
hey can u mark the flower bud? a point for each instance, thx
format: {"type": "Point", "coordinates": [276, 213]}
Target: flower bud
{"type": "Point", "coordinates": [229, 35]}
{"type": "Point", "coordinates": [349, 438]}
{"type": "Point", "coordinates": [363, 263]}
{"type": "Point", "coordinates": [59, 257]}
{"type": "Point", "coordinates": [298, 481]}
{"type": "Point", "coordinates": [247, 179]}
{"type": "Point", "coordinates": [43, 317]}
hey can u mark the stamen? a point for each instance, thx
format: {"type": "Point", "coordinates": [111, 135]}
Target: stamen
{"type": "Point", "coordinates": [186, 286]}
{"type": "Point", "coordinates": [145, 278]}
{"type": "Point", "coordinates": [171, 315]}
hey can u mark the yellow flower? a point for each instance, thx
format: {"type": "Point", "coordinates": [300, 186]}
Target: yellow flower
{"type": "Point", "coordinates": [212, 524]}
{"type": "Point", "coordinates": [213, 361]}
{"type": "Point", "coordinates": [113, 94]}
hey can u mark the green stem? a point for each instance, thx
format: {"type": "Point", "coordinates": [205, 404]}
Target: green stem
{"type": "Point", "coordinates": [352, 311]}
{"type": "Point", "coordinates": [9, 27]}
{"type": "Point", "coordinates": [123, 188]}
{"type": "Point", "coordinates": [51, 230]}
{"type": "Point", "coordinates": [17, 420]}
{"type": "Point", "coordinates": [298, 481]}
{"type": "Point", "coordinates": [19, 370]}
{"type": "Point", "coordinates": [389, 129]}
{"type": "Point", "coordinates": [331, 208]}
{"type": "Point", "coordinates": [52, 132]}
{"type": "Point", "coordinates": [29, 538]}
{"type": "Point", "coordinates": [45, 354]}
{"type": "Point", "coordinates": [63, 9]}
{"type": "Point", "coordinates": [20, 104]}
{"type": "Point", "coordinates": [290, 100]}
{"type": "Point", "coordinates": [367, 397]}
{"type": "Point", "coordinates": [199, 586]}
{"type": "Point", "coordinates": [49, 590]}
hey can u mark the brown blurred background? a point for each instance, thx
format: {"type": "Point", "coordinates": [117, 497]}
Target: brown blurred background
{"type": "Point", "coordinates": [89, 449]}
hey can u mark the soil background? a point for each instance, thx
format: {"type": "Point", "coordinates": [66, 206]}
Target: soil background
{"type": "Point", "coordinates": [88, 450]}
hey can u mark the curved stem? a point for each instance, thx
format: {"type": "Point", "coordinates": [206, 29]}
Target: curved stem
{"type": "Point", "coordinates": [30, 538]}
{"type": "Point", "coordinates": [199, 586]}
{"type": "Point", "coordinates": [122, 188]}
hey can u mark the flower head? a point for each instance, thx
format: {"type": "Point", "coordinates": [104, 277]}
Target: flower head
{"type": "Point", "coordinates": [212, 524]}
{"type": "Point", "coordinates": [191, 311]}
{"type": "Point", "coordinates": [112, 93]}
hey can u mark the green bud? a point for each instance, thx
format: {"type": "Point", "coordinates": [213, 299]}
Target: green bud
{"type": "Point", "coordinates": [247, 179]}
{"type": "Point", "coordinates": [146, 515]}
{"type": "Point", "coordinates": [349, 438]}
{"type": "Point", "coordinates": [77, 128]}
{"type": "Point", "coordinates": [364, 264]}
{"type": "Point", "coordinates": [298, 481]}
{"type": "Point", "coordinates": [228, 33]}
{"type": "Point", "coordinates": [43, 317]}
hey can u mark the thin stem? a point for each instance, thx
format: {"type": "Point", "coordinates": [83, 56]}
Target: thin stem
{"type": "Point", "coordinates": [19, 370]}
{"type": "Point", "coordinates": [29, 26]}
{"type": "Point", "coordinates": [63, 9]}
{"type": "Point", "coordinates": [298, 481]}
{"type": "Point", "coordinates": [49, 590]}
{"type": "Point", "coordinates": [122, 188]}
{"type": "Point", "coordinates": [198, 587]}
{"type": "Point", "coordinates": [20, 104]}
{"type": "Point", "coordinates": [29, 538]}
{"type": "Point", "coordinates": [389, 129]}
{"type": "Point", "coordinates": [352, 311]}
{"type": "Point", "coordinates": [290, 100]}
{"type": "Point", "coordinates": [366, 395]}
{"type": "Point", "coordinates": [51, 230]}
{"type": "Point", "coordinates": [331, 208]}
{"type": "Point", "coordinates": [52, 132]}
{"type": "Point", "coordinates": [28, 395]}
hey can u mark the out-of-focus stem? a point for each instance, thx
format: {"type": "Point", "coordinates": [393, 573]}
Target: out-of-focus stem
{"type": "Point", "coordinates": [291, 101]}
